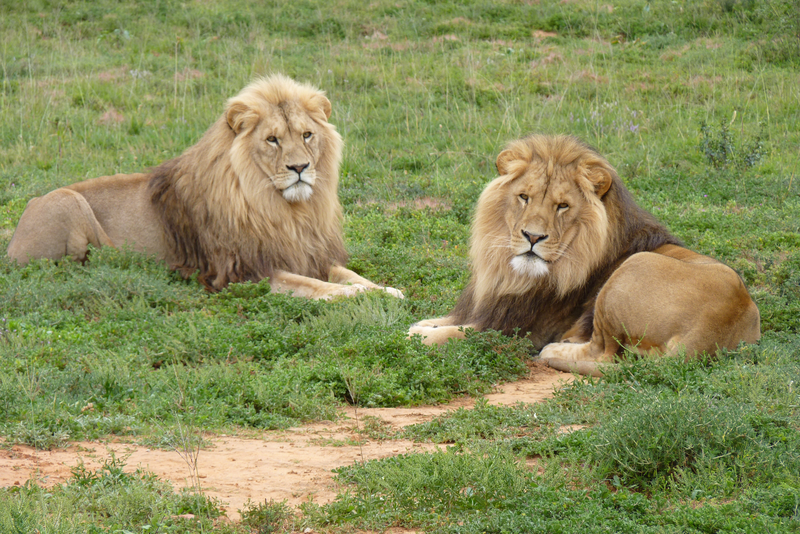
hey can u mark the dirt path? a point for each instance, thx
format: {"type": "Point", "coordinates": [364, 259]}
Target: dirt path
{"type": "Point", "coordinates": [293, 465]}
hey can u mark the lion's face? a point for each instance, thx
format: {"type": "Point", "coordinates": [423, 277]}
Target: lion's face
{"type": "Point", "coordinates": [286, 146]}
{"type": "Point", "coordinates": [543, 218]}
{"type": "Point", "coordinates": [285, 140]}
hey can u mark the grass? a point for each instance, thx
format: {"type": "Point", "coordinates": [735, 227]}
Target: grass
{"type": "Point", "coordinates": [695, 103]}
{"type": "Point", "coordinates": [108, 499]}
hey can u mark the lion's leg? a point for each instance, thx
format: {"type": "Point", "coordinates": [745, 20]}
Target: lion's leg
{"type": "Point", "coordinates": [581, 331]}
{"type": "Point", "coordinates": [583, 358]}
{"type": "Point", "coordinates": [60, 223]}
{"type": "Point", "coordinates": [589, 358]}
{"type": "Point", "coordinates": [342, 275]}
{"type": "Point", "coordinates": [304, 286]}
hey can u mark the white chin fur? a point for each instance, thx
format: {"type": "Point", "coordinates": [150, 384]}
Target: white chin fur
{"type": "Point", "coordinates": [530, 267]}
{"type": "Point", "coordinates": [298, 192]}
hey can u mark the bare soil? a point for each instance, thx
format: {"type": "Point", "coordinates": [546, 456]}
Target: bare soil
{"type": "Point", "coordinates": [292, 465]}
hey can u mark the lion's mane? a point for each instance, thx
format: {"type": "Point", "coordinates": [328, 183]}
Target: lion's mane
{"type": "Point", "coordinates": [612, 228]}
{"type": "Point", "coordinates": [215, 226]}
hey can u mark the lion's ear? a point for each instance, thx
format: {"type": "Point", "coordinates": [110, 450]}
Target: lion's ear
{"type": "Point", "coordinates": [601, 176]}
{"type": "Point", "coordinates": [238, 116]}
{"type": "Point", "coordinates": [320, 103]}
{"type": "Point", "coordinates": [504, 159]}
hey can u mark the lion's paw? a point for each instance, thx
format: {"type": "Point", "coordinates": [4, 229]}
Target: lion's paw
{"type": "Point", "coordinates": [394, 292]}
{"type": "Point", "coordinates": [424, 331]}
{"type": "Point", "coordinates": [565, 351]}
{"type": "Point", "coordinates": [345, 291]}
{"type": "Point", "coordinates": [581, 367]}
{"type": "Point", "coordinates": [548, 352]}
{"type": "Point", "coordinates": [436, 334]}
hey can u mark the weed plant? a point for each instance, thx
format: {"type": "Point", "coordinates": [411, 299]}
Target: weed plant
{"type": "Point", "coordinates": [695, 103]}
{"type": "Point", "coordinates": [268, 517]}
{"type": "Point", "coordinates": [719, 149]}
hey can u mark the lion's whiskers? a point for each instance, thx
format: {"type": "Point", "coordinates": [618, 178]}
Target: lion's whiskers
{"type": "Point", "coordinates": [501, 246]}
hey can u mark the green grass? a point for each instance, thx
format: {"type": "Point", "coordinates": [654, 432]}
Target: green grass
{"type": "Point", "coordinates": [695, 103]}
{"type": "Point", "coordinates": [108, 500]}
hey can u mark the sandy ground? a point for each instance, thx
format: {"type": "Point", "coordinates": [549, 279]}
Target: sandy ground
{"type": "Point", "coordinates": [293, 465]}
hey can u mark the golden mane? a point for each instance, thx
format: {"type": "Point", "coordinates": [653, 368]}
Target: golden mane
{"type": "Point", "coordinates": [491, 263]}
{"type": "Point", "coordinates": [212, 220]}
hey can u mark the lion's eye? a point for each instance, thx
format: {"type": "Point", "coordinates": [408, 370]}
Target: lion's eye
{"type": "Point", "coordinates": [307, 135]}
{"type": "Point", "coordinates": [524, 198]}
{"type": "Point", "coordinates": [563, 206]}
{"type": "Point", "coordinates": [272, 140]}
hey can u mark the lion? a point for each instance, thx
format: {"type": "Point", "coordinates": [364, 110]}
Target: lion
{"type": "Point", "coordinates": [561, 252]}
{"type": "Point", "coordinates": [255, 198]}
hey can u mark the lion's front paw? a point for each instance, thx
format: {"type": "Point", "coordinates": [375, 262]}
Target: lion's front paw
{"type": "Point", "coordinates": [344, 291]}
{"type": "Point", "coordinates": [424, 331]}
{"type": "Point", "coordinates": [580, 367]}
{"type": "Point", "coordinates": [394, 292]}
{"type": "Point", "coordinates": [430, 334]}
{"type": "Point", "coordinates": [436, 334]}
{"type": "Point", "coordinates": [548, 352]}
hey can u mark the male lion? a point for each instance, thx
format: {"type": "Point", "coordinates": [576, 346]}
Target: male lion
{"type": "Point", "coordinates": [256, 197]}
{"type": "Point", "coordinates": [561, 252]}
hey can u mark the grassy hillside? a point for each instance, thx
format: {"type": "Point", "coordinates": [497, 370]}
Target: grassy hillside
{"type": "Point", "coordinates": [697, 104]}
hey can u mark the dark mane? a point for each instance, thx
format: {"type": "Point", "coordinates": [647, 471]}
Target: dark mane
{"type": "Point", "coordinates": [179, 229]}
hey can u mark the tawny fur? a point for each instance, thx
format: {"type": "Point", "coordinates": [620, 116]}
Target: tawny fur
{"type": "Point", "coordinates": [256, 197]}
{"type": "Point", "coordinates": [549, 238]}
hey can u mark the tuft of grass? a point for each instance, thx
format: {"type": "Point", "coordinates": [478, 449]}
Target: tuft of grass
{"type": "Point", "coordinates": [522, 425]}
{"type": "Point", "coordinates": [268, 517]}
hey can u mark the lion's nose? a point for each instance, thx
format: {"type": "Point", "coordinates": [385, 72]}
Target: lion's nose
{"type": "Point", "coordinates": [297, 168]}
{"type": "Point", "coordinates": [533, 238]}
